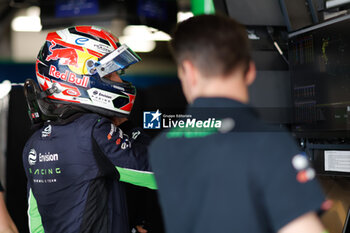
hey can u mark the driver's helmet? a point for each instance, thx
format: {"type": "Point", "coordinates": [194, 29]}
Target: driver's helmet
{"type": "Point", "coordinates": [72, 64]}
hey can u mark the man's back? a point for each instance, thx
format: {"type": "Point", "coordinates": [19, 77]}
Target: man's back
{"type": "Point", "coordinates": [240, 181]}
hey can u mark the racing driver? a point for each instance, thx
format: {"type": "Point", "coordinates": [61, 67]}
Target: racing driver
{"type": "Point", "coordinates": [84, 148]}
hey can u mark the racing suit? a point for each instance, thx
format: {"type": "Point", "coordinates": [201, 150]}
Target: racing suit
{"type": "Point", "coordinates": [69, 186]}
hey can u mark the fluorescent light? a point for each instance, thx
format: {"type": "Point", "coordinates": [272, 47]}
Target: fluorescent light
{"type": "Point", "coordinates": [5, 88]}
{"type": "Point", "coordinates": [141, 38]}
{"type": "Point", "coordinates": [182, 16]}
{"type": "Point", "coordinates": [138, 44]}
{"type": "Point", "coordinates": [335, 3]}
{"type": "Point", "coordinates": [252, 35]}
{"type": "Point", "coordinates": [33, 11]}
{"type": "Point", "coordinates": [27, 22]}
{"type": "Point", "coordinates": [146, 33]}
{"type": "Point", "coordinates": [159, 36]}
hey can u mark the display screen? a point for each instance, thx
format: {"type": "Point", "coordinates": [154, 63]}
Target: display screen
{"type": "Point", "coordinates": [68, 8]}
{"type": "Point", "coordinates": [319, 60]}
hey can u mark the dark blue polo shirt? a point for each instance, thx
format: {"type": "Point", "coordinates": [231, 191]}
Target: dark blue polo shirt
{"type": "Point", "coordinates": [237, 181]}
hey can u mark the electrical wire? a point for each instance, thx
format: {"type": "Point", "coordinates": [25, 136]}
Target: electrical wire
{"type": "Point", "coordinates": [275, 44]}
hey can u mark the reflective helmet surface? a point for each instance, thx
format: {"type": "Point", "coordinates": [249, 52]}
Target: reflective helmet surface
{"type": "Point", "coordinates": [72, 64]}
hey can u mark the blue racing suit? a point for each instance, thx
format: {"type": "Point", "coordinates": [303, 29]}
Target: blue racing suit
{"type": "Point", "coordinates": [70, 186]}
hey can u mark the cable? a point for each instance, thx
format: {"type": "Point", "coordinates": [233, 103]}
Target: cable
{"type": "Point", "coordinates": [275, 44]}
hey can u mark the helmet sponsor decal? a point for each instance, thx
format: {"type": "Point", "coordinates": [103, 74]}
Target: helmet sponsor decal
{"type": "Point", "coordinates": [66, 56]}
{"type": "Point", "coordinates": [81, 41]}
{"type": "Point", "coordinates": [71, 92]}
{"type": "Point", "coordinates": [69, 77]}
{"type": "Point", "coordinates": [103, 48]}
{"type": "Point", "coordinates": [101, 97]}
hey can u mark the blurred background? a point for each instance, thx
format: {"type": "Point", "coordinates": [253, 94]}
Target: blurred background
{"type": "Point", "coordinates": [143, 25]}
{"type": "Point", "coordinates": [277, 30]}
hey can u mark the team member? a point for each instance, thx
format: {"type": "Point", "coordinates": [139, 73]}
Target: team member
{"type": "Point", "coordinates": [237, 175]}
{"type": "Point", "coordinates": [6, 223]}
{"type": "Point", "coordinates": [76, 160]}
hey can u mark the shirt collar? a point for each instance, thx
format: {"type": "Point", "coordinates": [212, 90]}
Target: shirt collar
{"type": "Point", "coordinates": [218, 102]}
{"type": "Point", "coordinates": [219, 107]}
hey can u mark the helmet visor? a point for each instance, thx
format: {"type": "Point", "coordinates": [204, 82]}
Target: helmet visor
{"type": "Point", "coordinates": [119, 59]}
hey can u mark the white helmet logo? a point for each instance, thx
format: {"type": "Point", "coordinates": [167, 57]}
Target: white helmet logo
{"type": "Point", "coordinates": [32, 157]}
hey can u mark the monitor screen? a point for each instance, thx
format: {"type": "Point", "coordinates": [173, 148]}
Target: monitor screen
{"type": "Point", "coordinates": [67, 8]}
{"type": "Point", "coordinates": [267, 12]}
{"type": "Point", "coordinates": [319, 58]}
{"type": "Point", "coordinates": [158, 14]}
{"type": "Point", "coordinates": [64, 13]}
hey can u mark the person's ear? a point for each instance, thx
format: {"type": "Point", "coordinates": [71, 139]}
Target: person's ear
{"type": "Point", "coordinates": [251, 74]}
{"type": "Point", "coordinates": [190, 73]}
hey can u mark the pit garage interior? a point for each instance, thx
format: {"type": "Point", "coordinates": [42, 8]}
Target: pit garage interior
{"type": "Point", "coordinates": [302, 53]}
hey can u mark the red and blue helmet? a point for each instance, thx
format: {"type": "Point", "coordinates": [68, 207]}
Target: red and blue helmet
{"type": "Point", "coordinates": [71, 66]}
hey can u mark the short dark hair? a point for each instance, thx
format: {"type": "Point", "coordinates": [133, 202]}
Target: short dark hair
{"type": "Point", "coordinates": [217, 45]}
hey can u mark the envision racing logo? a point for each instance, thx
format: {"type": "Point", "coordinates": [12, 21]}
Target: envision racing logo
{"type": "Point", "coordinates": [46, 157]}
{"type": "Point", "coordinates": [32, 157]}
{"type": "Point", "coordinates": [43, 173]}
